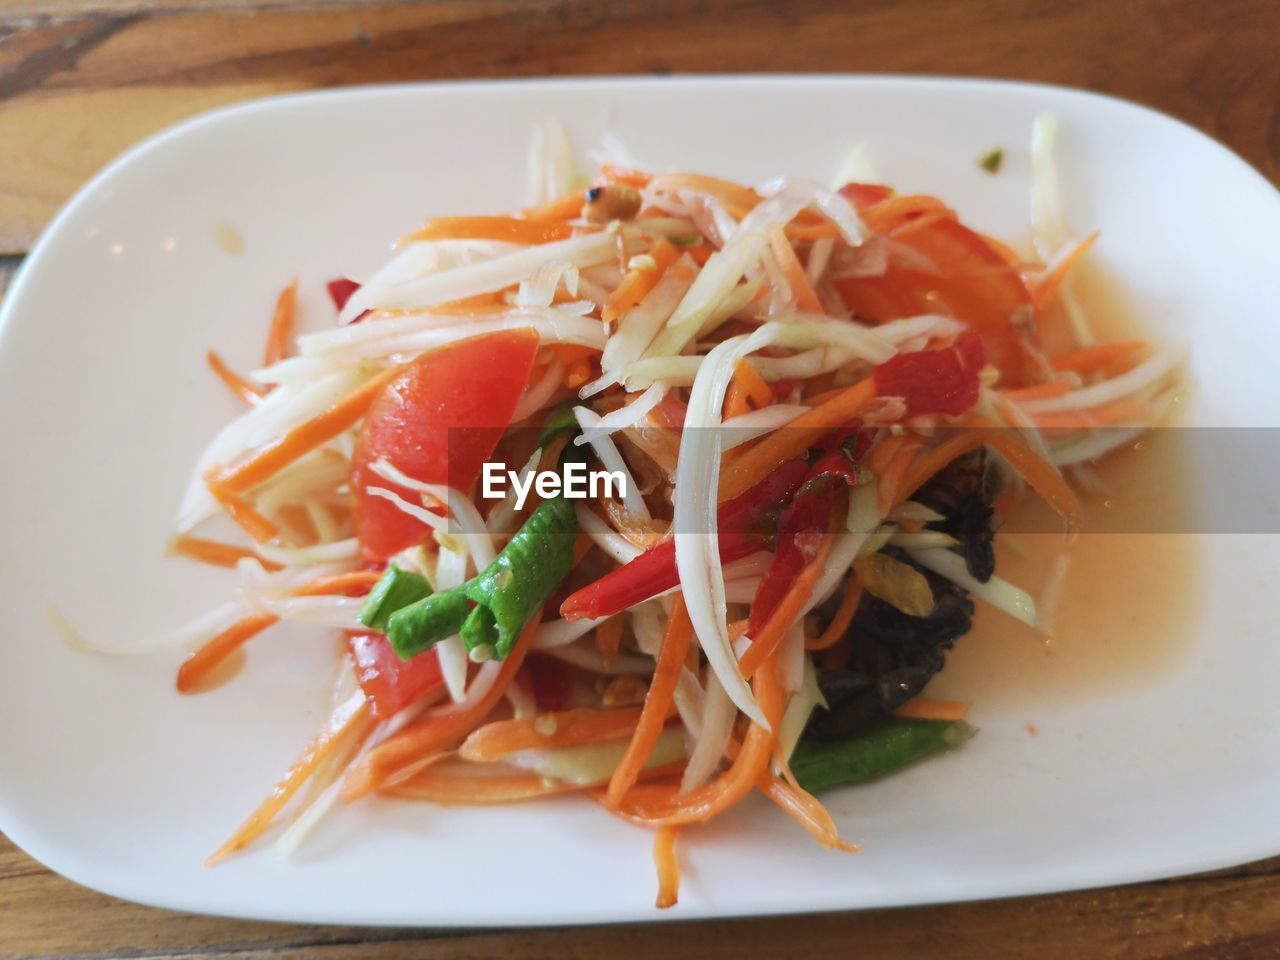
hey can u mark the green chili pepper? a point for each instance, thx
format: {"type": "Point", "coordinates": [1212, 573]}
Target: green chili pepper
{"type": "Point", "coordinates": [529, 567]}
{"type": "Point", "coordinates": [397, 588]}
{"type": "Point", "coordinates": [883, 748]}
{"type": "Point", "coordinates": [506, 593]}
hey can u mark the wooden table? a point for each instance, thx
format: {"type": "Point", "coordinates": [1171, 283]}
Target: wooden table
{"type": "Point", "coordinates": [81, 80]}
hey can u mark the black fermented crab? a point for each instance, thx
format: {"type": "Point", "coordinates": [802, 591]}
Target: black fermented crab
{"type": "Point", "coordinates": [894, 655]}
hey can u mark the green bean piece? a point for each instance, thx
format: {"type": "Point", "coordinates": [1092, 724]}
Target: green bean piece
{"type": "Point", "coordinates": [889, 745]}
{"type": "Point", "coordinates": [397, 588]}
{"type": "Point", "coordinates": [423, 624]}
{"type": "Point", "coordinates": [529, 567]}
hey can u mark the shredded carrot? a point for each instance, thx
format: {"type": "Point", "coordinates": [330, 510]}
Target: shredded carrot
{"type": "Point", "coordinates": [1088, 359]}
{"type": "Point", "coordinates": [676, 643]}
{"type": "Point", "coordinates": [250, 393]}
{"type": "Point", "coordinates": [894, 471]}
{"type": "Point", "coordinates": [1108, 414]}
{"type": "Point", "coordinates": [198, 666]}
{"type": "Point", "coordinates": [888, 213]}
{"type": "Point", "coordinates": [658, 806]}
{"type": "Point", "coordinates": [1041, 391]}
{"type": "Point", "coordinates": [878, 457]}
{"type": "Point", "coordinates": [577, 373]}
{"type": "Point", "coordinates": [1041, 475]}
{"type": "Point", "coordinates": [472, 304]}
{"type": "Point", "coordinates": [840, 622]}
{"type": "Point", "coordinates": [242, 512]}
{"type": "Point", "coordinates": [908, 227]}
{"type": "Point", "coordinates": [214, 553]}
{"type": "Point", "coordinates": [277, 454]}
{"type": "Point", "coordinates": [1044, 291]}
{"type": "Point", "coordinates": [281, 325]}
{"type": "Point", "coordinates": [566, 728]}
{"type": "Point", "coordinates": [737, 198]}
{"type": "Point", "coordinates": [1010, 255]}
{"type": "Point", "coordinates": [788, 609]}
{"type": "Point", "coordinates": [637, 283]}
{"type": "Point", "coordinates": [351, 713]}
{"type": "Point", "coordinates": [502, 229]}
{"type": "Point", "coordinates": [664, 857]}
{"type": "Point", "coordinates": [436, 785]}
{"type": "Point", "coordinates": [403, 753]}
{"type": "Point", "coordinates": [748, 391]}
{"type": "Point", "coordinates": [699, 255]}
{"type": "Point", "coordinates": [807, 811]}
{"type": "Point", "coordinates": [801, 289]}
{"type": "Point", "coordinates": [919, 708]}
{"type": "Point", "coordinates": [609, 638]}
{"type": "Point", "coordinates": [632, 178]}
{"type": "Point", "coordinates": [567, 207]}
{"type": "Point", "coordinates": [798, 436]}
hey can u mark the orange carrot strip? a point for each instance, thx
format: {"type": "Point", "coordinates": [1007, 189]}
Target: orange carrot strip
{"type": "Point", "coordinates": [1043, 292]}
{"type": "Point", "coordinates": [660, 806]}
{"type": "Point", "coordinates": [738, 198]}
{"type": "Point", "coordinates": [636, 285]}
{"type": "Point", "coordinates": [1088, 359]}
{"type": "Point", "coordinates": [567, 207]}
{"type": "Point", "coordinates": [801, 289]}
{"type": "Point", "coordinates": [567, 728]}
{"type": "Point", "coordinates": [281, 325]}
{"type": "Point", "coordinates": [877, 459]}
{"type": "Point", "coordinates": [406, 749]}
{"type": "Point", "coordinates": [840, 622]}
{"type": "Point", "coordinates": [934, 460]}
{"type": "Point", "coordinates": [198, 666]}
{"type": "Point", "coordinates": [242, 512]}
{"type": "Point", "coordinates": [794, 439]}
{"type": "Point", "coordinates": [438, 786]}
{"type": "Point", "coordinates": [699, 255]}
{"type": "Point", "coordinates": [1104, 416]}
{"type": "Point", "coordinates": [1041, 391]}
{"type": "Point", "coordinates": [502, 229]}
{"type": "Point", "coordinates": [808, 811]}
{"type": "Point", "coordinates": [632, 178]}
{"type": "Point", "coordinates": [920, 708]}
{"type": "Point", "coordinates": [894, 471]}
{"type": "Point", "coordinates": [747, 391]}
{"type": "Point", "coordinates": [214, 553]}
{"type": "Point", "coordinates": [676, 643]}
{"type": "Point", "coordinates": [273, 456]}
{"type": "Point", "coordinates": [884, 216]}
{"type": "Point", "coordinates": [350, 713]}
{"type": "Point", "coordinates": [250, 393]}
{"type": "Point", "coordinates": [1041, 475]}
{"type": "Point", "coordinates": [664, 858]}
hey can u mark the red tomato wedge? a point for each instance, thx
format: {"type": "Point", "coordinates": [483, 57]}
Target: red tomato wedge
{"type": "Point", "coordinates": [972, 282]}
{"type": "Point", "coordinates": [391, 683]}
{"type": "Point", "coordinates": [437, 422]}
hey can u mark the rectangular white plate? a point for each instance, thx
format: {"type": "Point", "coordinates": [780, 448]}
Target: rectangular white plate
{"type": "Point", "coordinates": [111, 778]}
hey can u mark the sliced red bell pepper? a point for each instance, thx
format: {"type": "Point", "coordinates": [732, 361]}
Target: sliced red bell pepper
{"type": "Point", "coordinates": [746, 526]}
{"type": "Point", "coordinates": [935, 381]}
{"type": "Point", "coordinates": [391, 683]}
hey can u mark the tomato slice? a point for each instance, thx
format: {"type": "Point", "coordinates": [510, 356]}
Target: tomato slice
{"type": "Point", "coordinates": [973, 283]}
{"type": "Point", "coordinates": [391, 683]}
{"type": "Point", "coordinates": [437, 422]}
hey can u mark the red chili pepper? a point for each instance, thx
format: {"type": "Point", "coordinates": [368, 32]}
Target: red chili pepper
{"type": "Point", "coordinates": [935, 381]}
{"type": "Point", "coordinates": [802, 525]}
{"type": "Point", "coordinates": [744, 524]}
{"type": "Point", "coordinates": [340, 291]}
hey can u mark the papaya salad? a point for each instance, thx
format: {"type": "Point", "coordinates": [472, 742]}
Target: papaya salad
{"type": "Point", "coordinates": [820, 403]}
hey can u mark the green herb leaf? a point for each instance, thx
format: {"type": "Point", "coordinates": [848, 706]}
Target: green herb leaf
{"type": "Point", "coordinates": [991, 160]}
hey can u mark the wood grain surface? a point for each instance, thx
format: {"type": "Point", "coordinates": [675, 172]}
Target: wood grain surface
{"type": "Point", "coordinates": [80, 80]}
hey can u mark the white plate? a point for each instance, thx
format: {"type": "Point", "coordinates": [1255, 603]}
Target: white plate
{"type": "Point", "coordinates": [111, 778]}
